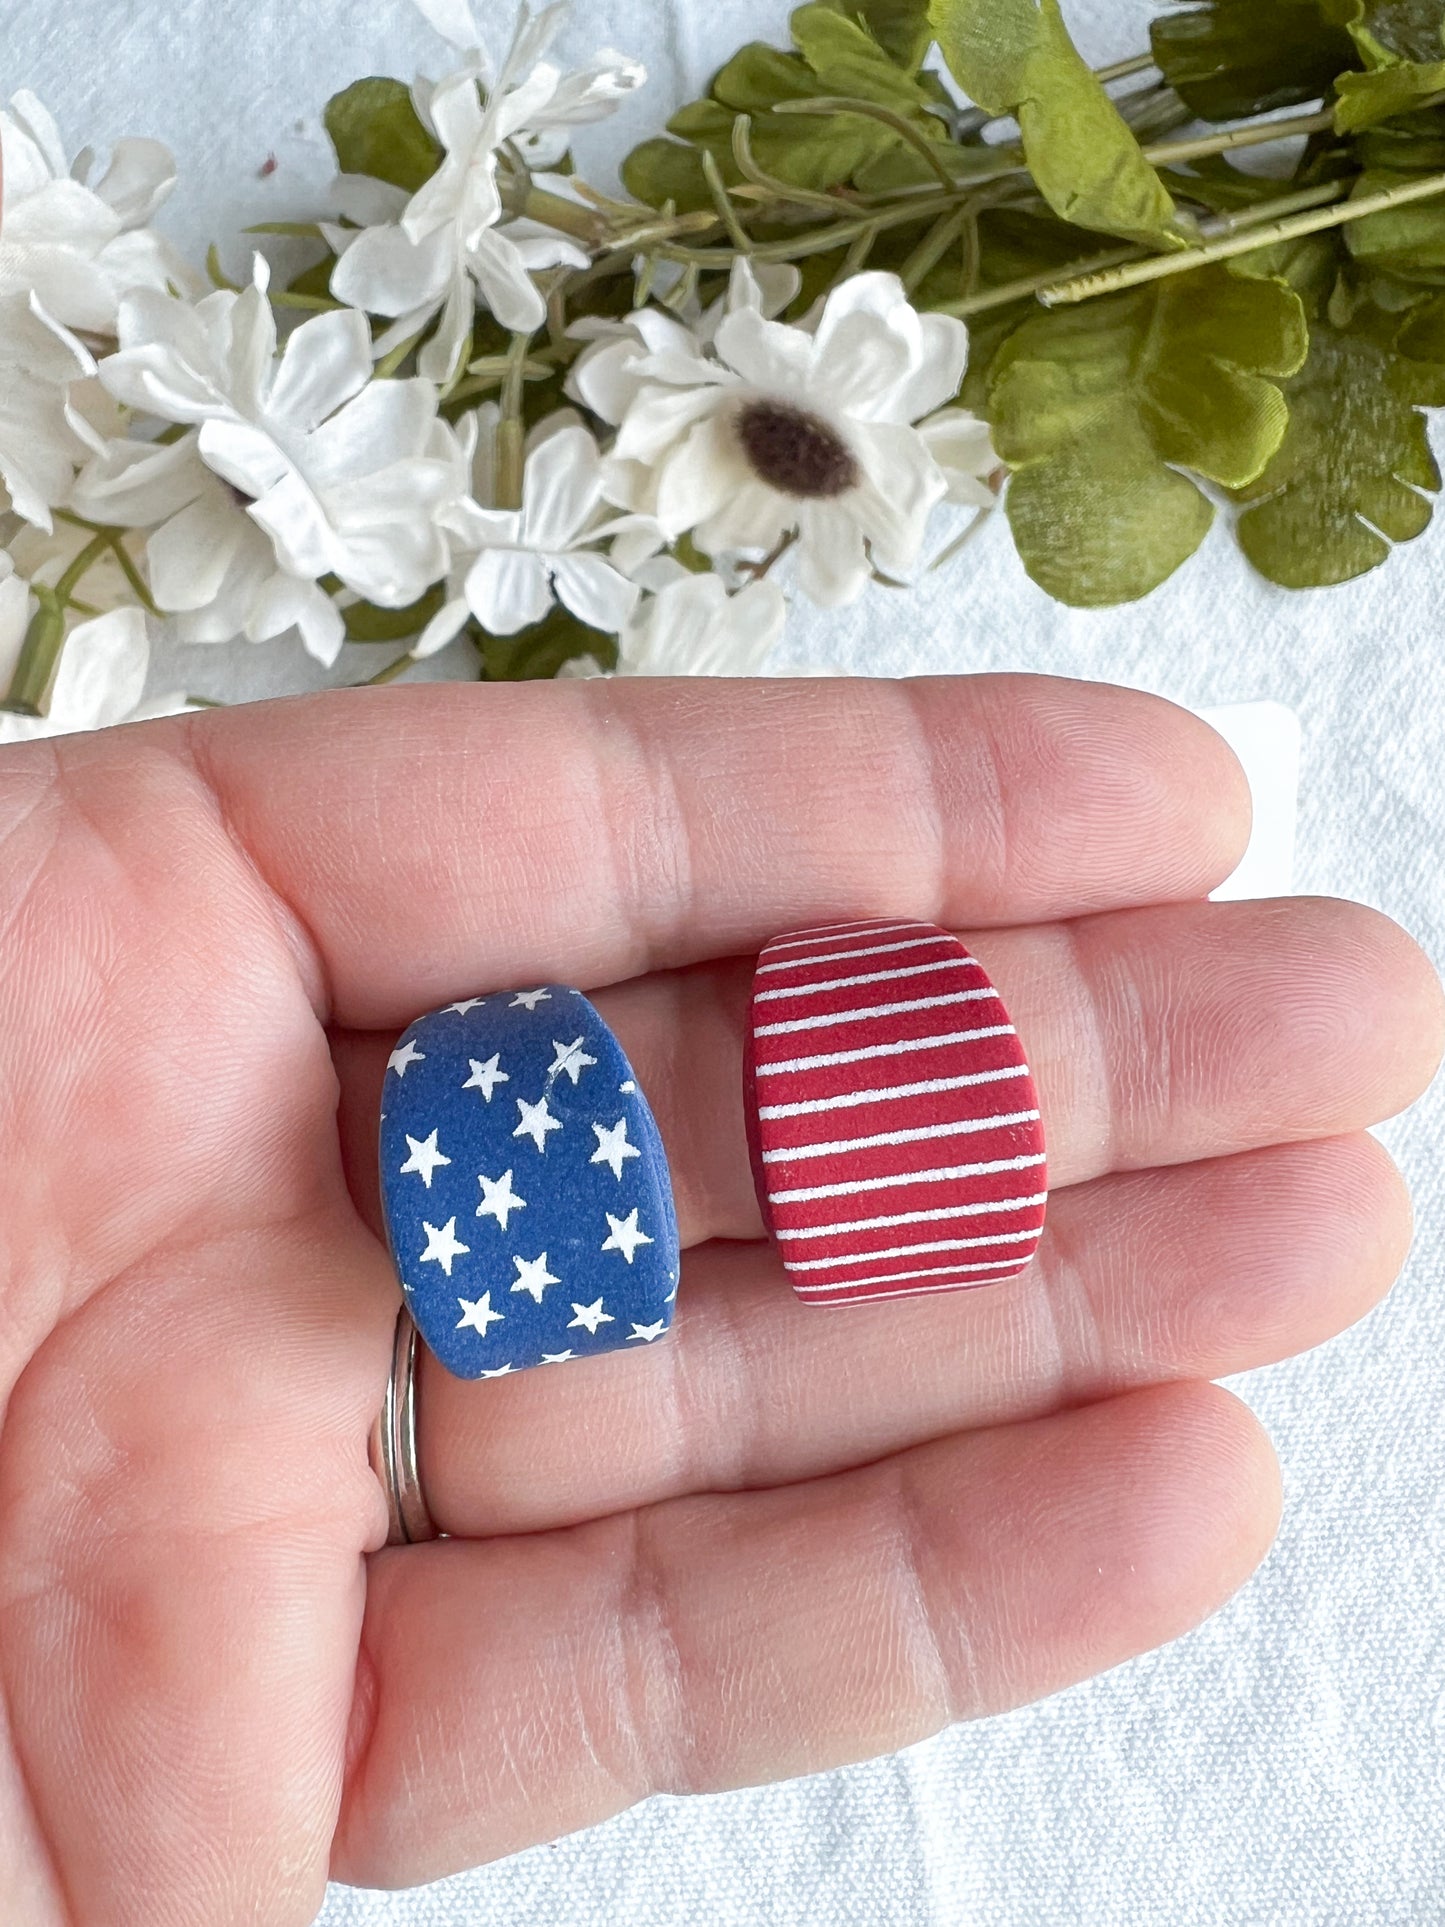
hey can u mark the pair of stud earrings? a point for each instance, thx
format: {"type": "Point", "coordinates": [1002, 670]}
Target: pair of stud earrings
{"type": "Point", "coordinates": [893, 1128]}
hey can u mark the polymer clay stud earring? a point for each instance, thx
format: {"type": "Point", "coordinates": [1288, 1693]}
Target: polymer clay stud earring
{"type": "Point", "coordinates": [524, 1185]}
{"type": "Point", "coordinates": [893, 1123]}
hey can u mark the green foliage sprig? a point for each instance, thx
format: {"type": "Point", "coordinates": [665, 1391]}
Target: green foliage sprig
{"type": "Point", "coordinates": [1159, 331]}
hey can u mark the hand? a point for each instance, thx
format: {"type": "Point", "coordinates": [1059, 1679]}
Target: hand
{"type": "Point", "coordinates": [784, 1538]}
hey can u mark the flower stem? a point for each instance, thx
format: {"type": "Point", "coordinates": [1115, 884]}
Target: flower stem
{"type": "Point", "coordinates": [727, 213]}
{"type": "Point", "coordinates": [1253, 134]}
{"type": "Point", "coordinates": [1155, 266]}
{"type": "Point", "coordinates": [510, 452]}
{"type": "Point", "coordinates": [870, 110]}
{"type": "Point", "coordinates": [389, 363]}
{"type": "Point", "coordinates": [392, 670]}
{"type": "Point", "coordinates": [1122, 69]}
{"type": "Point", "coordinates": [943, 235]}
{"type": "Point", "coordinates": [780, 190]}
{"type": "Point", "coordinates": [1007, 291]}
{"type": "Point", "coordinates": [34, 677]}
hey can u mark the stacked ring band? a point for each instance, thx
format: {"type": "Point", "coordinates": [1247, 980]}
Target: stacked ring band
{"type": "Point", "coordinates": [524, 1185]}
{"type": "Point", "coordinates": [893, 1123]}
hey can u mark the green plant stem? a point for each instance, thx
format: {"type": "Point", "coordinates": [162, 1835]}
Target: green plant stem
{"type": "Point", "coordinates": [727, 213]}
{"type": "Point", "coordinates": [944, 234]}
{"type": "Point", "coordinates": [316, 303]}
{"type": "Point", "coordinates": [386, 368]}
{"type": "Point", "coordinates": [1008, 291]}
{"type": "Point", "coordinates": [1155, 267]}
{"type": "Point", "coordinates": [510, 451]}
{"type": "Point", "coordinates": [1122, 69]}
{"type": "Point", "coordinates": [34, 677]}
{"type": "Point", "coordinates": [870, 110]}
{"type": "Point", "coordinates": [392, 670]}
{"type": "Point", "coordinates": [748, 167]}
{"type": "Point", "coordinates": [1251, 217]}
{"type": "Point", "coordinates": [1252, 134]}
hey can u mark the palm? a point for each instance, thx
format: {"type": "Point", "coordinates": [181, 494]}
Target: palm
{"type": "Point", "coordinates": [785, 1538]}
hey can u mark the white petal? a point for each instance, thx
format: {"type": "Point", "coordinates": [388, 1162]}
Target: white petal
{"type": "Point", "coordinates": [505, 285]}
{"type": "Point", "coordinates": [102, 671]}
{"type": "Point", "coordinates": [140, 176]}
{"type": "Point", "coordinates": [452, 19]}
{"type": "Point", "coordinates": [287, 603]}
{"type": "Point", "coordinates": [439, 357]}
{"type": "Point", "coordinates": [832, 564]}
{"type": "Point", "coordinates": [507, 589]}
{"type": "Point", "coordinates": [137, 484]}
{"type": "Point", "coordinates": [697, 479]}
{"type": "Point", "coordinates": [34, 121]}
{"type": "Point", "coordinates": [386, 422]}
{"type": "Point", "coordinates": [188, 557]}
{"type": "Point", "coordinates": [241, 454]}
{"type": "Point", "coordinates": [769, 354]}
{"type": "Point", "coordinates": [562, 484]}
{"type": "Point", "coordinates": [384, 272]}
{"type": "Point", "coordinates": [660, 417]}
{"type": "Point", "coordinates": [902, 482]}
{"type": "Point", "coordinates": [445, 625]}
{"type": "Point", "coordinates": [368, 202]}
{"type": "Point", "coordinates": [754, 517]}
{"type": "Point", "coordinates": [594, 91]}
{"type": "Point", "coordinates": [305, 542]}
{"type": "Point", "coordinates": [961, 445]}
{"type": "Point", "coordinates": [326, 361]}
{"type": "Point", "coordinates": [938, 372]}
{"type": "Point", "coordinates": [874, 293]}
{"type": "Point", "coordinates": [858, 366]}
{"type": "Point", "coordinates": [594, 590]}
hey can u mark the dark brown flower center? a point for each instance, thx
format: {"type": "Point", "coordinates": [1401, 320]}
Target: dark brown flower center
{"type": "Point", "coordinates": [795, 452]}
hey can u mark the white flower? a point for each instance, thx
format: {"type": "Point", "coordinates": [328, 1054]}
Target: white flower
{"type": "Point", "coordinates": [79, 248]}
{"type": "Point", "coordinates": [512, 564]}
{"type": "Point", "coordinates": [39, 447]}
{"type": "Point", "coordinates": [102, 669]}
{"type": "Point", "coordinates": [346, 475]}
{"type": "Point", "coordinates": [450, 239]}
{"type": "Point", "coordinates": [961, 445]}
{"type": "Point", "coordinates": [210, 566]}
{"type": "Point", "coordinates": [693, 627]}
{"type": "Point", "coordinates": [803, 431]}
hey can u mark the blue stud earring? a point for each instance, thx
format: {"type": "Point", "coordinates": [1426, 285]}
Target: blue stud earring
{"type": "Point", "coordinates": [525, 1188]}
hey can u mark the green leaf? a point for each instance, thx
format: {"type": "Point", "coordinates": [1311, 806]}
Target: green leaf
{"type": "Point", "coordinates": [540, 651]}
{"type": "Point", "coordinates": [1402, 238]}
{"type": "Point", "coordinates": [366, 622]}
{"type": "Point", "coordinates": [1403, 49]}
{"type": "Point", "coordinates": [1096, 408]}
{"type": "Point", "coordinates": [375, 130]}
{"type": "Point", "coordinates": [1016, 57]}
{"type": "Point", "coordinates": [899, 26]}
{"type": "Point", "coordinates": [848, 60]}
{"type": "Point", "coordinates": [1346, 480]}
{"type": "Point", "coordinates": [661, 170]}
{"type": "Point", "coordinates": [1230, 58]}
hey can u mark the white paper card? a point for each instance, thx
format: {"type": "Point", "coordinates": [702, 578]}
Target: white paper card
{"type": "Point", "coordinates": [1266, 739]}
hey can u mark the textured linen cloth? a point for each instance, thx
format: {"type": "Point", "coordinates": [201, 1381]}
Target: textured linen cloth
{"type": "Point", "coordinates": [1281, 1766]}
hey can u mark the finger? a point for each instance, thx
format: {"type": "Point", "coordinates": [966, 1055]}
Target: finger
{"type": "Point", "coordinates": [1157, 1275]}
{"type": "Point", "coordinates": [429, 842]}
{"type": "Point", "coordinates": [1155, 1036]}
{"type": "Point", "coordinates": [525, 1687]}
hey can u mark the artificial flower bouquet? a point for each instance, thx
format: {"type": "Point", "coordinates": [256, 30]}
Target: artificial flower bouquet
{"type": "Point", "coordinates": [922, 261]}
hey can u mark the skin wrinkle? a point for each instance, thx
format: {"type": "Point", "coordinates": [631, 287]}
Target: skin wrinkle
{"type": "Point", "coordinates": [299, 938]}
{"type": "Point", "coordinates": [988, 815]}
{"type": "Point", "coordinates": [656, 1700]}
{"type": "Point", "coordinates": [660, 845]}
{"type": "Point", "coordinates": [908, 1538]}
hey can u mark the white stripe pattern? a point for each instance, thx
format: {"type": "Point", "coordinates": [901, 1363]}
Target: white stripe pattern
{"type": "Point", "coordinates": [865, 977]}
{"type": "Point", "coordinates": [901, 1180]}
{"type": "Point", "coordinates": [843, 956]}
{"type": "Point", "coordinates": [814, 1294]}
{"type": "Point", "coordinates": [894, 1277]}
{"type": "Point", "coordinates": [826, 1058]}
{"type": "Point", "coordinates": [907, 1251]}
{"type": "Point", "coordinates": [836, 1017]}
{"type": "Point", "coordinates": [958, 1127]}
{"type": "Point", "coordinates": [896, 1218]}
{"type": "Point", "coordinates": [807, 1106]}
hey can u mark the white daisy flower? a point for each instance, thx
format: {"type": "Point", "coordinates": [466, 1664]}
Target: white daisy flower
{"type": "Point", "coordinates": [802, 431]}
{"type": "Point", "coordinates": [511, 565]}
{"type": "Point", "coordinates": [210, 567]}
{"type": "Point", "coordinates": [102, 668]}
{"type": "Point", "coordinates": [346, 475]}
{"type": "Point", "coordinates": [79, 248]}
{"type": "Point", "coordinates": [451, 241]}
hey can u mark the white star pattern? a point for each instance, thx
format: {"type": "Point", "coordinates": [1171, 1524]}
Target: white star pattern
{"type": "Point", "coordinates": [404, 1057]}
{"type": "Point", "coordinates": [533, 1276]}
{"type": "Point", "coordinates": [554, 1358]}
{"type": "Point", "coordinates": [499, 1199]}
{"type": "Point", "coordinates": [613, 1148]}
{"type": "Point", "coordinates": [469, 1003]}
{"type": "Point", "coordinates": [647, 1332]}
{"type": "Point", "coordinates": [486, 1077]}
{"type": "Point", "coordinates": [529, 999]}
{"type": "Point", "coordinates": [570, 1058]}
{"type": "Point", "coordinates": [442, 1246]}
{"type": "Point", "coordinates": [628, 1088]}
{"type": "Point", "coordinates": [625, 1235]}
{"type": "Point", "coordinates": [536, 1122]}
{"type": "Point", "coordinates": [478, 1314]}
{"type": "Point", "coordinates": [424, 1159]}
{"type": "Point", "coordinates": [499, 1371]}
{"type": "Point", "coordinates": [591, 1316]}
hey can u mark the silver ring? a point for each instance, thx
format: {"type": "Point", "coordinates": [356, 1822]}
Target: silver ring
{"type": "Point", "coordinates": [393, 1444]}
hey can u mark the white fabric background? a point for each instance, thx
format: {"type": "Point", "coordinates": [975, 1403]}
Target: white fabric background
{"type": "Point", "coordinates": [1282, 1766]}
